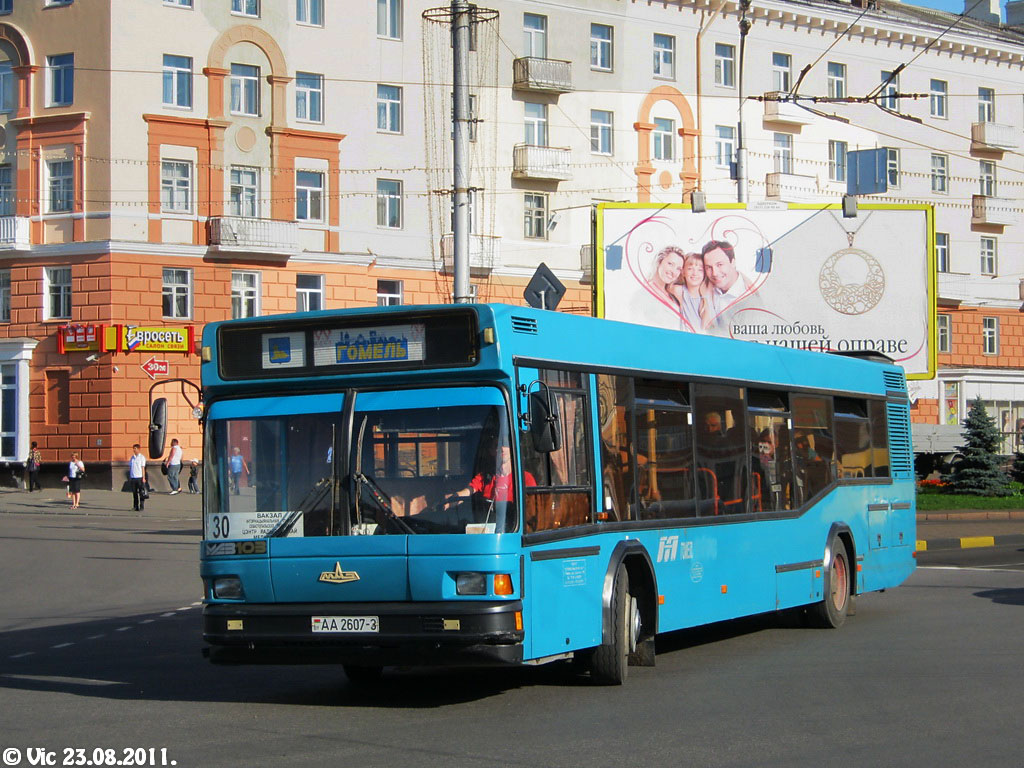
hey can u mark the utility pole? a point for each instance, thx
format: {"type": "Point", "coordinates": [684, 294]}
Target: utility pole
{"type": "Point", "coordinates": [461, 19]}
{"type": "Point", "coordinates": [741, 147]}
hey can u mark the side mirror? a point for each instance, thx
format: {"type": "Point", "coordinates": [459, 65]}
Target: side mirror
{"type": "Point", "coordinates": [544, 422]}
{"type": "Point", "coordinates": [157, 427]}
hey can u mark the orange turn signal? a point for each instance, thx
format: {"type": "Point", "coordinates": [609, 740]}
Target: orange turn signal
{"type": "Point", "coordinates": [519, 620]}
{"type": "Point", "coordinates": [502, 584]}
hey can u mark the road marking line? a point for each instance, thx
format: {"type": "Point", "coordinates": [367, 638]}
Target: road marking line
{"type": "Point", "coordinates": [95, 637]}
{"type": "Point", "coordinates": [169, 613]}
{"type": "Point", "coordinates": [994, 569]}
{"type": "Point", "coordinates": [61, 645]}
{"type": "Point", "coordinates": [967, 542]}
{"type": "Point", "coordinates": [122, 629]}
{"type": "Point", "coordinates": [186, 608]}
{"type": "Point", "coordinates": [21, 655]}
{"type": "Point", "coordinates": [147, 621]}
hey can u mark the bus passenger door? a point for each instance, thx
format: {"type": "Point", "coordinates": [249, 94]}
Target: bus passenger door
{"type": "Point", "coordinates": [564, 577]}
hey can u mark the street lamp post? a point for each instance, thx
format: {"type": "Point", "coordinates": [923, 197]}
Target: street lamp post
{"type": "Point", "coordinates": [741, 147]}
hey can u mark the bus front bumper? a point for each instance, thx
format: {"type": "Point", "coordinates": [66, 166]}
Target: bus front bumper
{"type": "Point", "coordinates": [473, 633]}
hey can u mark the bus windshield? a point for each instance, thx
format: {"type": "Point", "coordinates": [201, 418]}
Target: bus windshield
{"type": "Point", "coordinates": [440, 468]}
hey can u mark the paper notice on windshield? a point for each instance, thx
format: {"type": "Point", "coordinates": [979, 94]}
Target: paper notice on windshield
{"type": "Point", "coordinates": [248, 525]}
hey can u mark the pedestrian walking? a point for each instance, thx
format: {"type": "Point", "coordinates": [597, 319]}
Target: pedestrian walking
{"type": "Point", "coordinates": [34, 462]}
{"type": "Point", "coordinates": [237, 465]}
{"type": "Point", "coordinates": [173, 463]}
{"type": "Point", "coordinates": [137, 478]}
{"type": "Point", "coordinates": [76, 471]}
{"type": "Point", "coordinates": [193, 477]}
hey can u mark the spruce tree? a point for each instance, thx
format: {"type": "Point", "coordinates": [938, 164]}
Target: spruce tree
{"type": "Point", "coordinates": [978, 472]}
{"type": "Point", "coordinates": [1017, 470]}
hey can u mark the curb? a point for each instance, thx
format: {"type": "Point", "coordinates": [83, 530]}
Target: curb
{"type": "Point", "coordinates": [971, 514]}
{"type": "Point", "coordinates": [969, 542]}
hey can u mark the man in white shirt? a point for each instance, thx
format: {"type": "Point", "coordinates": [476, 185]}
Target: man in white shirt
{"type": "Point", "coordinates": [731, 289]}
{"type": "Point", "coordinates": [137, 478]}
{"type": "Point", "coordinates": [174, 467]}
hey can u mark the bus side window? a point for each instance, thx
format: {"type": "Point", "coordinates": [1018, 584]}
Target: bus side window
{"type": "Point", "coordinates": [614, 418]}
{"type": "Point", "coordinates": [664, 445]}
{"type": "Point", "coordinates": [879, 438]}
{"type": "Point", "coordinates": [723, 469]}
{"type": "Point", "coordinates": [813, 449]}
{"type": "Point", "coordinates": [563, 494]}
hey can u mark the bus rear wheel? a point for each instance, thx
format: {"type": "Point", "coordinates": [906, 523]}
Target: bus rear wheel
{"type": "Point", "coordinates": [609, 664]}
{"type": "Point", "coordinates": [832, 611]}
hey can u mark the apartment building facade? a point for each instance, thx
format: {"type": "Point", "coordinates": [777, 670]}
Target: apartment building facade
{"type": "Point", "coordinates": [168, 163]}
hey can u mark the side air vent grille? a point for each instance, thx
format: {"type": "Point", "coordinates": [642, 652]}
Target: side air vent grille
{"type": "Point", "coordinates": [901, 457]}
{"type": "Point", "coordinates": [894, 380]}
{"type": "Point", "coordinates": [524, 325]}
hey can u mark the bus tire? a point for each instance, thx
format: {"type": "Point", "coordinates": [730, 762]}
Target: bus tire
{"type": "Point", "coordinates": [610, 662]}
{"type": "Point", "coordinates": [358, 674]}
{"type": "Point", "coordinates": [831, 612]}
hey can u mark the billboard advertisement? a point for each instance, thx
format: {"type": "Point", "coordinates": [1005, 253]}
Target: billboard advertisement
{"type": "Point", "coordinates": [798, 276]}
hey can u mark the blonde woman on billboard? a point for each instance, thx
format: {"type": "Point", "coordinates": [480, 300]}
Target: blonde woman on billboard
{"type": "Point", "coordinates": [693, 292]}
{"type": "Point", "coordinates": [657, 302]}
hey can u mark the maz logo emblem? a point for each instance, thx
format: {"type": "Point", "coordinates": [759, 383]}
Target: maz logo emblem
{"type": "Point", "coordinates": [338, 576]}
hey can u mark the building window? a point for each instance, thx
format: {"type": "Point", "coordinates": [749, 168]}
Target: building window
{"type": "Point", "coordinates": [389, 203]}
{"type": "Point", "coordinates": [177, 81]}
{"type": "Point", "coordinates": [535, 215]}
{"type": "Point", "coordinates": [244, 192]}
{"type": "Point", "coordinates": [725, 145]}
{"type": "Point", "coordinates": [5, 295]}
{"type": "Point", "coordinates": [836, 80]}
{"type": "Point", "coordinates": [782, 72]}
{"type": "Point", "coordinates": [889, 90]}
{"type": "Point", "coordinates": [309, 97]}
{"type": "Point", "coordinates": [176, 186]}
{"type": "Point", "coordinates": [246, 7]}
{"type": "Point", "coordinates": [940, 174]}
{"type": "Point", "coordinates": [389, 293]}
{"type": "Point", "coordinates": [601, 132]}
{"type": "Point", "coordinates": [309, 196]}
{"type": "Point", "coordinates": [7, 92]}
{"type": "Point", "coordinates": [535, 124]}
{"type": "Point", "coordinates": [57, 287]}
{"type": "Point", "coordinates": [389, 109]}
{"type": "Point", "coordinates": [389, 19]}
{"type": "Point", "coordinates": [986, 105]}
{"type": "Point", "coordinates": [990, 335]}
{"type": "Point", "coordinates": [937, 98]}
{"type": "Point", "coordinates": [665, 56]}
{"type": "Point", "coordinates": [942, 251]}
{"type": "Point", "coordinates": [245, 294]}
{"type": "Point", "coordinates": [892, 167]}
{"type": "Point", "coordinates": [989, 256]}
{"type": "Point", "coordinates": [177, 293]}
{"type": "Point", "coordinates": [837, 160]}
{"type": "Point", "coordinates": [987, 178]}
{"type": "Point", "coordinates": [60, 186]}
{"type": "Point", "coordinates": [60, 70]}
{"type": "Point", "coordinates": [725, 65]}
{"type": "Point", "coordinates": [601, 47]}
{"type": "Point", "coordinates": [6, 190]}
{"type": "Point", "coordinates": [782, 152]}
{"type": "Point", "coordinates": [944, 333]}
{"type": "Point", "coordinates": [6, 6]}
{"type": "Point", "coordinates": [8, 410]}
{"type": "Point", "coordinates": [179, 3]}
{"type": "Point", "coordinates": [309, 293]}
{"type": "Point", "coordinates": [245, 90]}
{"type": "Point", "coordinates": [310, 12]}
{"type": "Point", "coordinates": [535, 35]}
{"type": "Point", "coordinates": [664, 139]}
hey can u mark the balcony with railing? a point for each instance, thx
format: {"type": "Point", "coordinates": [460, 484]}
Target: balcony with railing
{"type": "Point", "coordinates": [533, 162]}
{"type": "Point", "coordinates": [791, 187]}
{"type": "Point", "coordinates": [954, 287]}
{"type": "Point", "coordinates": [14, 232]}
{"type": "Point", "coordinates": [999, 211]}
{"type": "Point", "coordinates": [993, 136]}
{"type": "Point", "coordinates": [778, 109]}
{"type": "Point", "coordinates": [484, 253]}
{"type": "Point", "coordinates": [587, 262]}
{"type": "Point", "coordinates": [531, 73]}
{"type": "Point", "coordinates": [238, 234]}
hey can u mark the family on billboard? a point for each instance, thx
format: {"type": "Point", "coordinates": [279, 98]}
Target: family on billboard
{"type": "Point", "coordinates": [697, 287]}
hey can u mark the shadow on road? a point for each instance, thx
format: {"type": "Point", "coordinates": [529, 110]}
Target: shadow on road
{"type": "Point", "coordinates": [1003, 596]}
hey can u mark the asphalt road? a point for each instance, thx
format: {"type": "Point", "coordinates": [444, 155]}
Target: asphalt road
{"type": "Point", "coordinates": [100, 647]}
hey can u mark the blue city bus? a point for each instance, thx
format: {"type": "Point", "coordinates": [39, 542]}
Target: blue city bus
{"type": "Point", "coordinates": [483, 484]}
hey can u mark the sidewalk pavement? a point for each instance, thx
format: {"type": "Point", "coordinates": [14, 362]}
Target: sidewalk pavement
{"type": "Point", "coordinates": [958, 529]}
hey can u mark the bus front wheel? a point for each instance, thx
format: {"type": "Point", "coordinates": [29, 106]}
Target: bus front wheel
{"type": "Point", "coordinates": [832, 611]}
{"type": "Point", "coordinates": [609, 664]}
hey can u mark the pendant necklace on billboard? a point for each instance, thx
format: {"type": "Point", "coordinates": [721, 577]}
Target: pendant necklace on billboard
{"type": "Point", "coordinates": [851, 280]}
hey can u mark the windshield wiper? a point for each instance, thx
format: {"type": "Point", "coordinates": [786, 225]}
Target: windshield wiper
{"type": "Point", "coordinates": [322, 487]}
{"type": "Point", "coordinates": [381, 500]}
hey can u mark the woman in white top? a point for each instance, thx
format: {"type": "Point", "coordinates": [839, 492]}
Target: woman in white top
{"type": "Point", "coordinates": [655, 303]}
{"type": "Point", "coordinates": [75, 471]}
{"type": "Point", "coordinates": [693, 292]}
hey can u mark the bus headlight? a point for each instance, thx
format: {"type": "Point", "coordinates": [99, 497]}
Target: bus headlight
{"type": "Point", "coordinates": [227, 588]}
{"type": "Point", "coordinates": [470, 584]}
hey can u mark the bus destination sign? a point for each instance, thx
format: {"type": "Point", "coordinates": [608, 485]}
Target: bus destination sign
{"type": "Point", "coordinates": [368, 345]}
